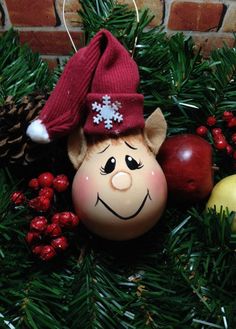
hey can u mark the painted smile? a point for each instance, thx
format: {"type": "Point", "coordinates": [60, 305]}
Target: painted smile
{"type": "Point", "coordinates": [122, 217]}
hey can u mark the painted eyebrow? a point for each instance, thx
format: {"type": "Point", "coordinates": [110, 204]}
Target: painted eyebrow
{"type": "Point", "coordinates": [131, 147]}
{"type": "Point", "coordinates": [104, 149]}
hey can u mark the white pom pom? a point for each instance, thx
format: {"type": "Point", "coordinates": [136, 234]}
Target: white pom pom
{"type": "Point", "coordinates": [38, 132]}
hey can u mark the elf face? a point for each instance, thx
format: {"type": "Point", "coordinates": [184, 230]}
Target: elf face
{"type": "Point", "coordinates": [119, 191]}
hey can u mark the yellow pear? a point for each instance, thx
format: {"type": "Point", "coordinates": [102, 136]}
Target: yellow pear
{"type": "Point", "coordinates": [224, 195]}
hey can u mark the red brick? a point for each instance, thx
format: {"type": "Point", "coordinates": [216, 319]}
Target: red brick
{"type": "Point", "coordinates": [1, 16]}
{"type": "Point", "coordinates": [230, 19]}
{"type": "Point", "coordinates": [71, 12]}
{"type": "Point", "coordinates": [212, 42]}
{"type": "Point", "coordinates": [195, 16]}
{"type": "Point", "coordinates": [51, 43]}
{"type": "Point", "coordinates": [52, 62]}
{"type": "Point", "coordinates": [31, 13]}
{"type": "Point", "coordinates": [156, 8]}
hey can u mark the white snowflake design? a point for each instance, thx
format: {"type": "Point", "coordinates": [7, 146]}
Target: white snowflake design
{"type": "Point", "coordinates": [107, 112]}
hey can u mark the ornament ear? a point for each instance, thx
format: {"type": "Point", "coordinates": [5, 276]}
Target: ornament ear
{"type": "Point", "coordinates": [77, 147]}
{"type": "Point", "coordinates": [155, 130]}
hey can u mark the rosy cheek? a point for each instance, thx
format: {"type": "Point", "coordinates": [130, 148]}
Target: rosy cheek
{"type": "Point", "coordinates": [82, 190]}
{"type": "Point", "coordinates": [156, 182]}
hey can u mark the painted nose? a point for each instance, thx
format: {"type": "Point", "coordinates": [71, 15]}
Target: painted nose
{"type": "Point", "coordinates": [121, 181]}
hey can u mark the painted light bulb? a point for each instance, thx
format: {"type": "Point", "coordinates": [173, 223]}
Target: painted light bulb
{"type": "Point", "coordinates": [119, 191]}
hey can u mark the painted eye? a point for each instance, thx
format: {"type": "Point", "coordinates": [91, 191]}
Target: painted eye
{"type": "Point", "coordinates": [109, 166]}
{"type": "Point", "coordinates": [132, 163]}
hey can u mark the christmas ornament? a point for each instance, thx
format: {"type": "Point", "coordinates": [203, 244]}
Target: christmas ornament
{"type": "Point", "coordinates": [37, 249]}
{"type": "Point", "coordinates": [220, 136]}
{"type": "Point", "coordinates": [46, 237]}
{"type": "Point", "coordinates": [187, 164]}
{"type": "Point", "coordinates": [34, 184]}
{"type": "Point", "coordinates": [15, 146]}
{"type": "Point", "coordinates": [229, 149]}
{"type": "Point", "coordinates": [119, 190]}
{"type": "Point", "coordinates": [40, 203]}
{"type": "Point", "coordinates": [45, 179]}
{"type": "Point", "coordinates": [47, 253]}
{"type": "Point", "coordinates": [65, 219]}
{"type": "Point", "coordinates": [211, 121]}
{"type": "Point", "coordinates": [32, 237]}
{"type": "Point", "coordinates": [234, 138]}
{"type": "Point", "coordinates": [227, 116]}
{"type": "Point", "coordinates": [39, 224]}
{"type": "Point", "coordinates": [201, 130]}
{"type": "Point", "coordinates": [60, 183]}
{"type": "Point", "coordinates": [17, 198]}
{"type": "Point", "coordinates": [53, 230]}
{"type": "Point", "coordinates": [216, 131]}
{"type": "Point", "coordinates": [223, 196]}
{"type": "Point", "coordinates": [232, 122]}
{"type": "Point", "coordinates": [47, 192]}
{"type": "Point", "coordinates": [60, 243]}
{"type": "Point", "coordinates": [220, 142]}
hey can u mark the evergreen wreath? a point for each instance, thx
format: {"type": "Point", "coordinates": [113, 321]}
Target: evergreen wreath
{"type": "Point", "coordinates": [179, 275]}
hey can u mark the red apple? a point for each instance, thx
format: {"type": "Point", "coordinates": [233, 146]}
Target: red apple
{"type": "Point", "coordinates": [186, 161]}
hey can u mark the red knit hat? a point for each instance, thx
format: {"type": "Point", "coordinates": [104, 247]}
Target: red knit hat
{"type": "Point", "coordinates": [99, 82]}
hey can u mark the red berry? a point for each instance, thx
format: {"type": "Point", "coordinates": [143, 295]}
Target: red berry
{"type": "Point", "coordinates": [46, 192]}
{"type": "Point", "coordinates": [229, 149]}
{"type": "Point", "coordinates": [60, 183]}
{"type": "Point", "coordinates": [201, 130]}
{"type": "Point", "coordinates": [232, 122]}
{"type": "Point", "coordinates": [221, 144]}
{"type": "Point", "coordinates": [211, 121]}
{"type": "Point", "coordinates": [53, 230]}
{"type": "Point", "coordinates": [234, 138]}
{"type": "Point", "coordinates": [60, 243]}
{"type": "Point", "coordinates": [47, 253]}
{"type": "Point", "coordinates": [39, 224]}
{"type": "Point", "coordinates": [227, 116]}
{"type": "Point", "coordinates": [32, 237]}
{"type": "Point", "coordinates": [34, 184]}
{"type": "Point", "coordinates": [40, 203]}
{"type": "Point", "coordinates": [216, 131]}
{"type": "Point", "coordinates": [45, 179]}
{"type": "Point", "coordinates": [17, 198]}
{"type": "Point", "coordinates": [68, 219]}
{"type": "Point", "coordinates": [37, 249]}
{"type": "Point", "coordinates": [218, 137]}
{"type": "Point", "coordinates": [56, 218]}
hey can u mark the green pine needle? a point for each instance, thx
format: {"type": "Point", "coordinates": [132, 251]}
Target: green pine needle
{"type": "Point", "coordinates": [181, 274]}
{"type": "Point", "coordinates": [21, 71]}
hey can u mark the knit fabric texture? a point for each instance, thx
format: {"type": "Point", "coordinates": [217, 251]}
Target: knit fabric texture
{"type": "Point", "coordinates": [97, 88]}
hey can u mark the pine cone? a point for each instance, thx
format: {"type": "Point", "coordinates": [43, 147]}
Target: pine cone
{"type": "Point", "coordinates": [15, 146]}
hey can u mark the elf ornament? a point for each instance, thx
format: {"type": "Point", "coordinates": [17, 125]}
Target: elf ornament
{"type": "Point", "coordinates": [119, 190]}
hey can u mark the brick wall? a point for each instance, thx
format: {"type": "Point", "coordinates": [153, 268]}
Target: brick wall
{"type": "Point", "coordinates": [40, 24]}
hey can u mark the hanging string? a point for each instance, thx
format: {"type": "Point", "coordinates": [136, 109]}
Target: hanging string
{"type": "Point", "coordinates": [138, 20]}
{"type": "Point", "coordinates": [71, 40]}
{"type": "Point", "coordinates": [67, 30]}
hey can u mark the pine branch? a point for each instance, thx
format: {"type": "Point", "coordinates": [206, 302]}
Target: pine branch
{"type": "Point", "coordinates": [117, 18]}
{"type": "Point", "coordinates": [179, 275]}
{"type": "Point", "coordinates": [97, 294]}
{"type": "Point", "coordinates": [202, 248]}
{"type": "Point", "coordinates": [224, 76]}
{"type": "Point", "coordinates": [21, 71]}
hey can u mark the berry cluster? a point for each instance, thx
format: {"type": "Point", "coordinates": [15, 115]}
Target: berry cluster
{"type": "Point", "coordinates": [47, 238]}
{"type": "Point", "coordinates": [219, 139]}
